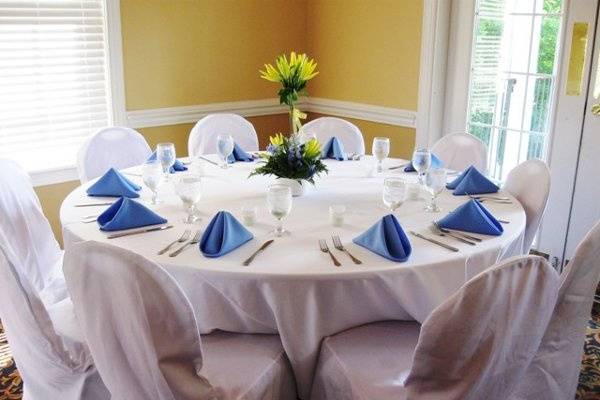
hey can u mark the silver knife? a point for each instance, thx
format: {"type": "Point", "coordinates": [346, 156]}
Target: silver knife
{"type": "Point", "coordinates": [208, 160]}
{"type": "Point", "coordinates": [398, 166]}
{"type": "Point", "coordinates": [261, 248]}
{"type": "Point", "coordinates": [434, 241]}
{"type": "Point", "coordinates": [156, 228]}
{"type": "Point", "coordinates": [93, 204]}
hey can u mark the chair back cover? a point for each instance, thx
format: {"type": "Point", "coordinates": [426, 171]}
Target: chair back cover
{"type": "Point", "coordinates": [554, 372]}
{"type": "Point", "coordinates": [138, 324]}
{"type": "Point", "coordinates": [25, 232]}
{"type": "Point", "coordinates": [203, 137]}
{"type": "Point", "coordinates": [478, 343]}
{"type": "Point", "coordinates": [48, 370]}
{"type": "Point", "coordinates": [117, 147]}
{"type": "Point", "coordinates": [325, 128]}
{"type": "Point", "coordinates": [529, 182]}
{"type": "Point", "coordinates": [458, 151]}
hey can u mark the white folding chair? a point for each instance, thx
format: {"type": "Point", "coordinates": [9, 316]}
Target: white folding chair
{"type": "Point", "coordinates": [325, 128]}
{"type": "Point", "coordinates": [143, 335]}
{"type": "Point", "coordinates": [475, 345]}
{"type": "Point", "coordinates": [52, 367]}
{"type": "Point", "coordinates": [203, 137]}
{"type": "Point", "coordinates": [554, 372]}
{"type": "Point", "coordinates": [529, 182]}
{"type": "Point", "coordinates": [27, 236]}
{"type": "Point", "coordinates": [113, 147]}
{"type": "Point", "coordinates": [459, 151]}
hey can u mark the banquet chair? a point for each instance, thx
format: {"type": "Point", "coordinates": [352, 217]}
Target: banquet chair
{"type": "Point", "coordinates": [529, 182]}
{"type": "Point", "coordinates": [325, 128]}
{"type": "Point", "coordinates": [113, 147]}
{"type": "Point", "coordinates": [203, 137]}
{"type": "Point", "coordinates": [27, 236]}
{"type": "Point", "coordinates": [51, 366]}
{"type": "Point", "coordinates": [459, 151]}
{"type": "Point", "coordinates": [475, 345]}
{"type": "Point", "coordinates": [554, 372]}
{"type": "Point", "coordinates": [145, 341]}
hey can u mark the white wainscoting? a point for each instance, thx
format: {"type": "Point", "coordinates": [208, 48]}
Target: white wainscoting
{"type": "Point", "coordinates": [253, 108]}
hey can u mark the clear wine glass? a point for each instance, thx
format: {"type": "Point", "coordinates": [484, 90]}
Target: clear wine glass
{"type": "Point", "coordinates": [279, 200]}
{"type": "Point", "coordinates": [380, 150]}
{"type": "Point", "coordinates": [394, 193]}
{"type": "Point", "coordinates": [152, 174]}
{"type": "Point", "coordinates": [165, 154]}
{"type": "Point", "coordinates": [435, 181]}
{"type": "Point", "coordinates": [224, 148]}
{"type": "Point", "coordinates": [421, 161]}
{"type": "Point", "coordinates": [189, 190]}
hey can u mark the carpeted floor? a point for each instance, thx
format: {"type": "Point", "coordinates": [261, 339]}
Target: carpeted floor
{"type": "Point", "coordinates": [589, 380]}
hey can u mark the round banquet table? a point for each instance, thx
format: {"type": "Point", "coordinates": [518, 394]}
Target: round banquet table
{"type": "Point", "coordinates": [292, 288]}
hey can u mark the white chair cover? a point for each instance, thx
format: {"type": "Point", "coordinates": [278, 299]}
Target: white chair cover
{"type": "Point", "coordinates": [554, 372]}
{"type": "Point", "coordinates": [116, 147]}
{"type": "Point", "coordinates": [203, 137]}
{"type": "Point", "coordinates": [49, 370]}
{"type": "Point", "coordinates": [27, 236]}
{"type": "Point", "coordinates": [461, 150]}
{"type": "Point", "coordinates": [529, 182]}
{"type": "Point", "coordinates": [475, 345]}
{"type": "Point", "coordinates": [325, 128]}
{"type": "Point", "coordinates": [143, 335]}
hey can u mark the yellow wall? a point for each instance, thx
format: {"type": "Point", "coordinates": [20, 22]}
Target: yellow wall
{"type": "Point", "coordinates": [186, 52]}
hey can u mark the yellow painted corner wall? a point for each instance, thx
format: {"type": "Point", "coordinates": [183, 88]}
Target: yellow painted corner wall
{"type": "Point", "coordinates": [367, 51]}
{"type": "Point", "coordinates": [184, 52]}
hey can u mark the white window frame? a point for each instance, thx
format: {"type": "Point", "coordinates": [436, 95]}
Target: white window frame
{"type": "Point", "coordinates": [117, 110]}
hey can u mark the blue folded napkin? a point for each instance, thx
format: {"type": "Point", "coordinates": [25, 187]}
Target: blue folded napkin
{"type": "Point", "coordinates": [238, 154]}
{"type": "Point", "coordinates": [472, 217]}
{"type": "Point", "coordinates": [435, 164]}
{"type": "Point", "coordinates": [126, 214]}
{"type": "Point", "coordinates": [222, 235]}
{"type": "Point", "coordinates": [471, 181]}
{"type": "Point", "coordinates": [177, 167]}
{"type": "Point", "coordinates": [387, 239]}
{"type": "Point", "coordinates": [114, 184]}
{"type": "Point", "coordinates": [334, 149]}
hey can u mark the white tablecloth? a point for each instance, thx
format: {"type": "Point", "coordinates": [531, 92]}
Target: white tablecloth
{"type": "Point", "coordinates": [293, 288]}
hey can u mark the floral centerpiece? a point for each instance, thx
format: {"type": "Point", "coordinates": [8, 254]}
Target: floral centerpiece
{"type": "Point", "coordinates": [292, 162]}
{"type": "Point", "coordinates": [293, 74]}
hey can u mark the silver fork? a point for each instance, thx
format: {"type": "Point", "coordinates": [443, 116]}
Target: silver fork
{"type": "Point", "coordinates": [185, 236]}
{"type": "Point", "coordinates": [194, 240]}
{"type": "Point", "coordinates": [435, 229]}
{"type": "Point", "coordinates": [337, 243]}
{"type": "Point", "coordinates": [325, 249]}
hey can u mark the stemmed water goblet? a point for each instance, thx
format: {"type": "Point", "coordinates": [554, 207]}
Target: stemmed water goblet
{"type": "Point", "coordinates": [189, 189]}
{"type": "Point", "coordinates": [435, 181]}
{"type": "Point", "coordinates": [394, 193]}
{"type": "Point", "coordinates": [421, 161]}
{"type": "Point", "coordinates": [279, 200]}
{"type": "Point", "coordinates": [165, 154]}
{"type": "Point", "coordinates": [380, 150]}
{"type": "Point", "coordinates": [225, 146]}
{"type": "Point", "coordinates": [152, 174]}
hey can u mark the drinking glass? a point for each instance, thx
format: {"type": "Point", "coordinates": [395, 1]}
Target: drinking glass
{"type": "Point", "coordinates": [394, 193]}
{"type": "Point", "coordinates": [421, 161]}
{"type": "Point", "coordinates": [165, 154]}
{"type": "Point", "coordinates": [336, 214]}
{"type": "Point", "coordinates": [152, 174]}
{"type": "Point", "coordinates": [224, 148]}
{"type": "Point", "coordinates": [189, 190]}
{"type": "Point", "coordinates": [279, 200]}
{"type": "Point", "coordinates": [435, 181]}
{"type": "Point", "coordinates": [380, 150]}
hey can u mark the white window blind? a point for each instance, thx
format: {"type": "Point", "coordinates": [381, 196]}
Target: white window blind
{"type": "Point", "coordinates": [54, 88]}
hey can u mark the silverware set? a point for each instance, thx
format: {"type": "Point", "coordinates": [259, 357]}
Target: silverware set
{"type": "Point", "coordinates": [437, 231]}
{"type": "Point", "coordinates": [493, 199]}
{"type": "Point", "coordinates": [437, 242]}
{"type": "Point", "coordinates": [183, 238]}
{"type": "Point", "coordinates": [192, 241]}
{"type": "Point", "coordinates": [138, 231]}
{"type": "Point", "coordinates": [337, 243]}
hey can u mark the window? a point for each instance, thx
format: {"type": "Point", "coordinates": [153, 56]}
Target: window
{"type": "Point", "coordinates": [54, 81]}
{"type": "Point", "coordinates": [513, 78]}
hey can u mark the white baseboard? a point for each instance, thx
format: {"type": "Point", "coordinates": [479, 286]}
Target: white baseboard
{"type": "Point", "coordinates": [253, 108]}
